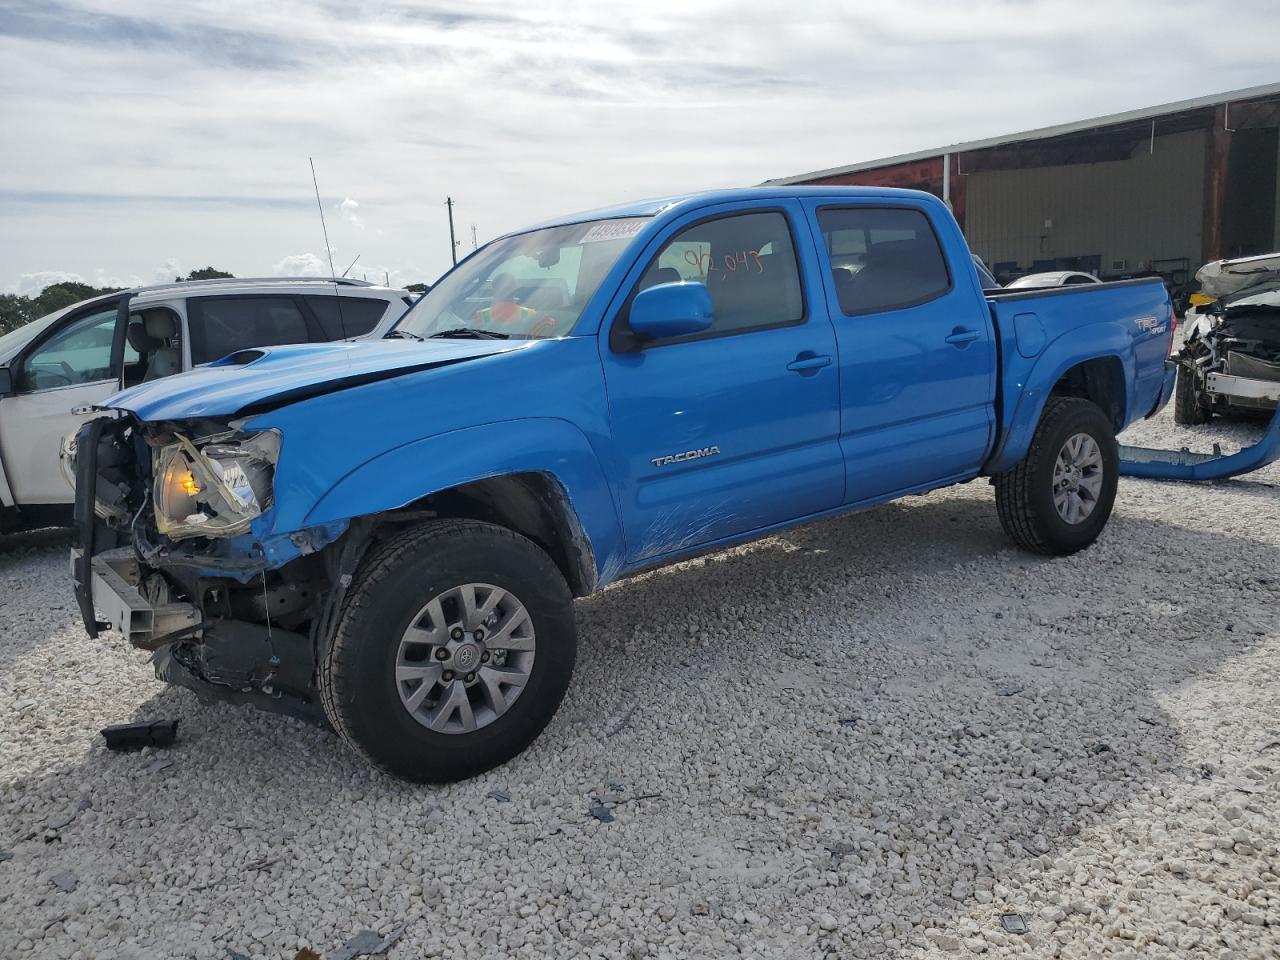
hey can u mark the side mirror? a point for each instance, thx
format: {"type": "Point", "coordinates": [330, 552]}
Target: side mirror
{"type": "Point", "coordinates": [671, 310]}
{"type": "Point", "coordinates": [6, 381]}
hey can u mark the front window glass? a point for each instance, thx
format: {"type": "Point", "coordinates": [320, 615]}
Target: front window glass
{"type": "Point", "coordinates": [531, 286]}
{"type": "Point", "coordinates": [78, 353]}
{"type": "Point", "coordinates": [748, 264]}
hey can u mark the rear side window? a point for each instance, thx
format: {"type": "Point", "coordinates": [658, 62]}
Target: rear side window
{"type": "Point", "coordinates": [748, 263]}
{"type": "Point", "coordinates": [342, 317]}
{"type": "Point", "coordinates": [882, 258]}
{"type": "Point", "coordinates": [223, 325]}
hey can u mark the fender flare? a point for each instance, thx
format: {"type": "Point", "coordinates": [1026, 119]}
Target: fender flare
{"type": "Point", "coordinates": [556, 448]}
{"type": "Point", "coordinates": [1107, 340]}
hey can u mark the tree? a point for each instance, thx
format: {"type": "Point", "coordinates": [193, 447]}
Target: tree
{"type": "Point", "coordinates": [15, 311]}
{"type": "Point", "coordinates": [64, 294]}
{"type": "Point", "coordinates": [205, 273]}
{"type": "Point", "coordinates": [418, 287]}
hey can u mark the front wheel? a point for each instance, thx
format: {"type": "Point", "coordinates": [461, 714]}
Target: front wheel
{"type": "Point", "coordinates": [1058, 499]}
{"type": "Point", "coordinates": [1189, 407]}
{"type": "Point", "coordinates": [453, 650]}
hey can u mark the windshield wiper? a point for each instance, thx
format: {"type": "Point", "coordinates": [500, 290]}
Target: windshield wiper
{"type": "Point", "coordinates": [403, 335]}
{"type": "Point", "coordinates": [469, 333]}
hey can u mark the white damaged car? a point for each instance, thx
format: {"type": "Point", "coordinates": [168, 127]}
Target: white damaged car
{"type": "Point", "coordinates": [1230, 359]}
{"type": "Point", "coordinates": [53, 371]}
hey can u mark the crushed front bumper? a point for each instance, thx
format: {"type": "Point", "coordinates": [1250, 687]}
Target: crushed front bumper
{"type": "Point", "coordinates": [1239, 391]}
{"type": "Point", "coordinates": [114, 577]}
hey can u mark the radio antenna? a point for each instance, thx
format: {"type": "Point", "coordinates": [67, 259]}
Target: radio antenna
{"type": "Point", "coordinates": [350, 265]}
{"type": "Point", "coordinates": [320, 207]}
{"type": "Point", "coordinates": [342, 321]}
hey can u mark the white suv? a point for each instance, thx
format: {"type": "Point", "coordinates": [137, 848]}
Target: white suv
{"type": "Point", "coordinates": [55, 368]}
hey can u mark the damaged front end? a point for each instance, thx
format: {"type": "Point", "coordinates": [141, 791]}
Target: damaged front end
{"type": "Point", "coordinates": [176, 552]}
{"type": "Point", "coordinates": [1232, 350]}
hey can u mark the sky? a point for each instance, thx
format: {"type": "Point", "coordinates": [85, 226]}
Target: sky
{"type": "Point", "coordinates": [142, 140]}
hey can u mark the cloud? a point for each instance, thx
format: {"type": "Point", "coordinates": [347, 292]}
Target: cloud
{"type": "Point", "coordinates": [30, 284]}
{"type": "Point", "coordinates": [201, 120]}
{"type": "Point", "coordinates": [301, 265]}
{"type": "Point", "coordinates": [347, 209]}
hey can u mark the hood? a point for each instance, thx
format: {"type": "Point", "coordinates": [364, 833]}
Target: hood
{"type": "Point", "coordinates": [263, 378]}
{"type": "Point", "coordinates": [1222, 277]}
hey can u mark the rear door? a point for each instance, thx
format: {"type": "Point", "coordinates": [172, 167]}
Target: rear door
{"type": "Point", "coordinates": [917, 351]}
{"type": "Point", "coordinates": [222, 325]}
{"type": "Point", "coordinates": [735, 429]}
{"type": "Point", "coordinates": [69, 368]}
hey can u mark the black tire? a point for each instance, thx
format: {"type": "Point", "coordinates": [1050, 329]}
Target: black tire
{"type": "Point", "coordinates": [1024, 495]}
{"type": "Point", "coordinates": [1188, 407]}
{"type": "Point", "coordinates": [357, 674]}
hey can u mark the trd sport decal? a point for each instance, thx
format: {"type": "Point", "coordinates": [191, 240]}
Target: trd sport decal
{"type": "Point", "coordinates": [687, 455]}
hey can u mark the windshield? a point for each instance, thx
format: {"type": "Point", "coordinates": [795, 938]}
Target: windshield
{"type": "Point", "coordinates": [14, 340]}
{"type": "Point", "coordinates": [530, 286]}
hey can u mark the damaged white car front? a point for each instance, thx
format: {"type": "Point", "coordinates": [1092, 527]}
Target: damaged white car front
{"type": "Point", "coordinates": [1230, 360]}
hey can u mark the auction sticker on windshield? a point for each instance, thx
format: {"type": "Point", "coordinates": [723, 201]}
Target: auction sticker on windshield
{"type": "Point", "coordinates": [614, 230]}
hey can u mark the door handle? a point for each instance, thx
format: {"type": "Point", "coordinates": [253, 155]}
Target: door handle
{"type": "Point", "coordinates": [809, 362]}
{"type": "Point", "coordinates": [961, 337]}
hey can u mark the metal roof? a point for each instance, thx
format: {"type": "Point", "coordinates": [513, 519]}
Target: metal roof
{"type": "Point", "coordinates": [1044, 133]}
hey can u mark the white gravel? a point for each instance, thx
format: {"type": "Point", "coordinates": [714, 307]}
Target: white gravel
{"type": "Point", "coordinates": [868, 737]}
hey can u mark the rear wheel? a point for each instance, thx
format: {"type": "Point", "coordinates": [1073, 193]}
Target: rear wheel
{"type": "Point", "coordinates": [452, 652]}
{"type": "Point", "coordinates": [1058, 499]}
{"type": "Point", "coordinates": [1188, 405]}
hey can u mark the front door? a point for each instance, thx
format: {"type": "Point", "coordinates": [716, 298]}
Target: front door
{"type": "Point", "coordinates": [917, 354]}
{"type": "Point", "coordinates": [70, 368]}
{"type": "Point", "coordinates": [732, 430]}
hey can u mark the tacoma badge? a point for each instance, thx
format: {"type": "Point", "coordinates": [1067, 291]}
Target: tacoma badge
{"type": "Point", "coordinates": [687, 455]}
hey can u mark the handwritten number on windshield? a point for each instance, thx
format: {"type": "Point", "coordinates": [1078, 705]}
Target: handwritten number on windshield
{"type": "Point", "coordinates": [744, 259]}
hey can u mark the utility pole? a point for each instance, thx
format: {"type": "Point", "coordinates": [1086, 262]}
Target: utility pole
{"type": "Point", "coordinates": [453, 244]}
{"type": "Point", "coordinates": [475, 244]}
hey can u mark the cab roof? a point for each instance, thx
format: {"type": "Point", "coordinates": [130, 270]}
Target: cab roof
{"type": "Point", "coordinates": [690, 201]}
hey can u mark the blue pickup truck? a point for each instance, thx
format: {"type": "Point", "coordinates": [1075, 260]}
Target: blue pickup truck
{"type": "Point", "coordinates": [388, 536]}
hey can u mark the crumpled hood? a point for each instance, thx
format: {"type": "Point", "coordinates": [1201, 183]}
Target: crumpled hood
{"type": "Point", "coordinates": [1222, 277]}
{"type": "Point", "coordinates": [263, 378]}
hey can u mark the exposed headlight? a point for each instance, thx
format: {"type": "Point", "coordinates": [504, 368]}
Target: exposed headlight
{"type": "Point", "coordinates": [215, 490]}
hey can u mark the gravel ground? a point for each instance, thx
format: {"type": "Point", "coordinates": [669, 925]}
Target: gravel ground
{"type": "Point", "coordinates": [868, 737]}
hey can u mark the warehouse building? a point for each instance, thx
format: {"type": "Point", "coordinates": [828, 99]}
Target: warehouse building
{"type": "Point", "coordinates": [1162, 190]}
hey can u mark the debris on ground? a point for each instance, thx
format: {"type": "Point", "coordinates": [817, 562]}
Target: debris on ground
{"type": "Point", "coordinates": [502, 796]}
{"type": "Point", "coordinates": [135, 736]}
{"type": "Point", "coordinates": [600, 811]}
{"type": "Point", "coordinates": [368, 943]}
{"type": "Point", "coordinates": [66, 881]}
{"type": "Point", "coordinates": [1013, 923]}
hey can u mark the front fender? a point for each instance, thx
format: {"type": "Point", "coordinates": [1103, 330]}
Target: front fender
{"type": "Point", "coordinates": [538, 445]}
{"type": "Point", "coordinates": [1031, 382]}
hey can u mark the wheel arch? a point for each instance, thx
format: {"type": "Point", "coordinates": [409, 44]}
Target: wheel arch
{"type": "Point", "coordinates": [1101, 381]}
{"type": "Point", "coordinates": [1105, 373]}
{"type": "Point", "coordinates": [537, 477]}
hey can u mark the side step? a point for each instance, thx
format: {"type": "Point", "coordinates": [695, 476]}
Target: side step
{"type": "Point", "coordinates": [1187, 465]}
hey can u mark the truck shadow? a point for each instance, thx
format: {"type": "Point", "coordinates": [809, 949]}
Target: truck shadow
{"type": "Point", "coordinates": [919, 714]}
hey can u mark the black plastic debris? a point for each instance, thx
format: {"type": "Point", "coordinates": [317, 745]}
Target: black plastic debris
{"type": "Point", "coordinates": [368, 943]}
{"type": "Point", "coordinates": [1100, 748]}
{"type": "Point", "coordinates": [1009, 691]}
{"type": "Point", "coordinates": [502, 796]}
{"type": "Point", "coordinates": [66, 881]}
{"type": "Point", "coordinates": [135, 736]}
{"type": "Point", "coordinates": [1013, 923]}
{"type": "Point", "coordinates": [5, 855]}
{"type": "Point", "coordinates": [600, 811]}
